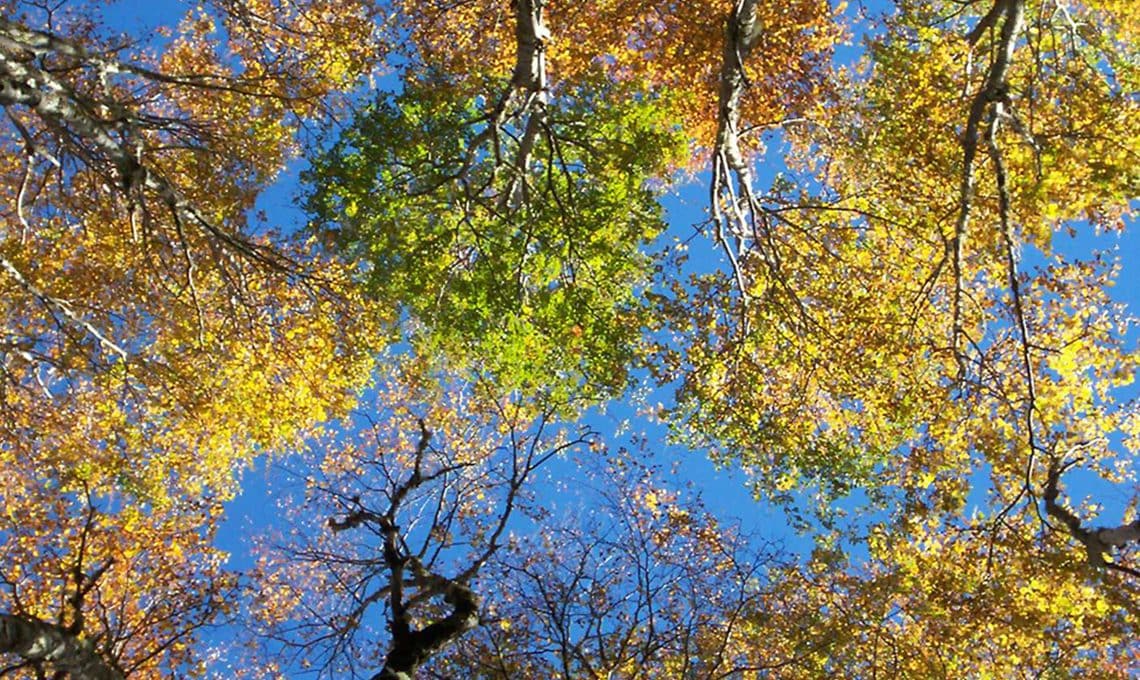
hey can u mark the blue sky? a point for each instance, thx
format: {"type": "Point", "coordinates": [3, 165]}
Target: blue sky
{"type": "Point", "coordinates": [723, 491]}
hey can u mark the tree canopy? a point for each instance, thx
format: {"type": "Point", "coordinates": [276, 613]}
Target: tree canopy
{"type": "Point", "coordinates": [892, 314]}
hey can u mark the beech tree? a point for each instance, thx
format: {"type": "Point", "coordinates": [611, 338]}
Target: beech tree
{"type": "Point", "coordinates": [887, 329]}
{"type": "Point", "coordinates": [155, 340]}
{"type": "Point", "coordinates": [403, 518]}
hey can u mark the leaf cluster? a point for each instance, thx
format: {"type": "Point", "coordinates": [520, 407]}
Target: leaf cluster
{"type": "Point", "coordinates": [525, 250]}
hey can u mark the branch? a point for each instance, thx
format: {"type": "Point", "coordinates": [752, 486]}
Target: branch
{"type": "Point", "coordinates": [994, 90]}
{"type": "Point", "coordinates": [985, 23]}
{"type": "Point", "coordinates": [531, 35]}
{"type": "Point", "coordinates": [62, 307]}
{"type": "Point", "coordinates": [528, 81]}
{"type": "Point", "coordinates": [57, 104]}
{"type": "Point", "coordinates": [411, 647]}
{"type": "Point", "coordinates": [1097, 542]}
{"type": "Point", "coordinates": [729, 164]}
{"type": "Point", "coordinates": [741, 35]}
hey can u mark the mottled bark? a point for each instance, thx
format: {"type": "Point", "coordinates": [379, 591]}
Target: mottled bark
{"type": "Point", "coordinates": [107, 141]}
{"type": "Point", "coordinates": [35, 641]}
{"type": "Point", "coordinates": [741, 35]}
{"type": "Point", "coordinates": [995, 92]}
{"type": "Point", "coordinates": [531, 35]}
{"type": "Point", "coordinates": [731, 187]}
{"type": "Point", "coordinates": [410, 648]}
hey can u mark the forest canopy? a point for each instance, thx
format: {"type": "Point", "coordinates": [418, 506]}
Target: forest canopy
{"type": "Point", "coordinates": [493, 354]}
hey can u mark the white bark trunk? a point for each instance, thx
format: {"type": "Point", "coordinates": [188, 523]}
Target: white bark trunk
{"type": "Point", "coordinates": [34, 640]}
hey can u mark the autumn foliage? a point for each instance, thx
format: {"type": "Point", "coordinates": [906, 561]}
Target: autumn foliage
{"type": "Point", "coordinates": [484, 349]}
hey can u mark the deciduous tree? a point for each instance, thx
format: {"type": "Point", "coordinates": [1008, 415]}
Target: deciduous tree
{"type": "Point", "coordinates": [403, 519]}
{"type": "Point", "coordinates": [900, 348]}
{"type": "Point", "coordinates": [155, 339]}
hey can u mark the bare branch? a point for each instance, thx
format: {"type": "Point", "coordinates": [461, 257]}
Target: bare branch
{"type": "Point", "coordinates": [731, 194]}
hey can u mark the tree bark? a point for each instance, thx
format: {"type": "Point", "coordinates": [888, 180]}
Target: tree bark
{"type": "Point", "coordinates": [34, 640]}
{"type": "Point", "coordinates": [1098, 542]}
{"type": "Point", "coordinates": [62, 107]}
{"type": "Point", "coordinates": [741, 35]}
{"type": "Point", "coordinates": [411, 648]}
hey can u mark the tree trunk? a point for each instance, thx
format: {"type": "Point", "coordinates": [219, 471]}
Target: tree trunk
{"type": "Point", "coordinates": [34, 640]}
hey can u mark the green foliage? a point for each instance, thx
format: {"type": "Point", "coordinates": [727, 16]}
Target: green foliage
{"type": "Point", "coordinates": [898, 347]}
{"type": "Point", "coordinates": [531, 262]}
